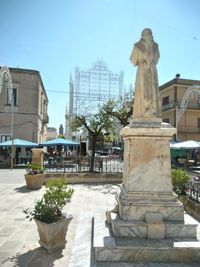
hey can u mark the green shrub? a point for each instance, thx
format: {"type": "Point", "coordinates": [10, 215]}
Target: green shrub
{"type": "Point", "coordinates": [180, 180]}
{"type": "Point", "coordinates": [34, 168]}
{"type": "Point", "coordinates": [49, 208]}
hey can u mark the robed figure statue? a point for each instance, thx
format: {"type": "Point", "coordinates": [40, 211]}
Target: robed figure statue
{"type": "Point", "coordinates": [145, 55]}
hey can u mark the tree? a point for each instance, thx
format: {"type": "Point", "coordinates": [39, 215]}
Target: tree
{"type": "Point", "coordinates": [95, 125]}
{"type": "Point", "coordinates": [180, 180]}
{"type": "Point", "coordinates": [61, 136]}
{"type": "Point", "coordinates": [121, 109]}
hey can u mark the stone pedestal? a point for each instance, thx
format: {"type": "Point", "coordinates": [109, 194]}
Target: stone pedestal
{"type": "Point", "coordinates": [37, 156]}
{"type": "Point", "coordinates": [146, 203]}
{"type": "Point", "coordinates": [147, 224]}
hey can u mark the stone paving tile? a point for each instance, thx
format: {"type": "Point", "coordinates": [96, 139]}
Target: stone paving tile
{"type": "Point", "coordinates": [19, 245]}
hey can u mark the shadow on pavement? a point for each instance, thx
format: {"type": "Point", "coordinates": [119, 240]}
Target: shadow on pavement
{"type": "Point", "coordinates": [24, 189]}
{"type": "Point", "coordinates": [38, 257]}
{"type": "Point", "coordinates": [104, 188]}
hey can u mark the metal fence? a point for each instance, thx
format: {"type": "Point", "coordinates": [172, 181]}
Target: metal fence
{"type": "Point", "coordinates": [109, 164]}
{"type": "Point", "coordinates": [194, 188]}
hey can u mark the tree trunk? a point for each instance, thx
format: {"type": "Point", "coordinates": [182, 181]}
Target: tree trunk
{"type": "Point", "coordinates": [94, 140]}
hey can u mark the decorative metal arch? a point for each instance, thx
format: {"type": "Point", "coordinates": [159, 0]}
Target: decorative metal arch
{"type": "Point", "coordinates": [5, 72]}
{"type": "Point", "coordinates": [193, 90]}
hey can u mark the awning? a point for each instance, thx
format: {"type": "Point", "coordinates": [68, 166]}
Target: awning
{"type": "Point", "coordinates": [185, 145]}
{"type": "Point", "coordinates": [60, 142]}
{"type": "Point", "coordinates": [18, 143]}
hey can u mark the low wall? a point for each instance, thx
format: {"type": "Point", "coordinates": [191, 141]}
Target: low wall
{"type": "Point", "coordinates": [81, 178]}
{"type": "Point", "coordinates": [191, 207]}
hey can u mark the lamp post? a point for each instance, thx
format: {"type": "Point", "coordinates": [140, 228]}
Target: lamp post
{"type": "Point", "coordinates": [12, 116]}
{"type": "Point", "coordinates": [5, 74]}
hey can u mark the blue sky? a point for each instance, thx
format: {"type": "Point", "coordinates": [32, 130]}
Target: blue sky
{"type": "Point", "coordinates": [55, 36]}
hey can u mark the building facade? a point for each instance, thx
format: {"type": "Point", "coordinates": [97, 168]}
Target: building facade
{"type": "Point", "coordinates": [180, 100]}
{"type": "Point", "coordinates": [29, 111]}
{"type": "Point", "coordinates": [51, 133]}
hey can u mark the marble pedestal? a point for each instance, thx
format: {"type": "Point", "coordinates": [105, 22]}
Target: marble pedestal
{"type": "Point", "coordinates": [147, 209]}
{"type": "Point", "coordinates": [147, 206]}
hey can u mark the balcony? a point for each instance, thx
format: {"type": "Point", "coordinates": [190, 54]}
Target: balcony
{"type": "Point", "coordinates": [188, 129]}
{"type": "Point", "coordinates": [175, 104]}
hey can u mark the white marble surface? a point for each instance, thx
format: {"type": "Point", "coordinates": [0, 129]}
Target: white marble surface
{"type": "Point", "coordinates": [81, 252]}
{"type": "Point", "coordinates": [143, 250]}
{"type": "Point", "coordinates": [146, 264]}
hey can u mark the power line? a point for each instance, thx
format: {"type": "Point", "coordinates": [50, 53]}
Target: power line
{"type": "Point", "coordinates": [55, 91]}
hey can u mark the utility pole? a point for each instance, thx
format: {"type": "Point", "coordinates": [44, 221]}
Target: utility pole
{"type": "Point", "coordinates": [5, 73]}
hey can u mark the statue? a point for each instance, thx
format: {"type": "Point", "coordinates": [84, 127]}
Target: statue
{"type": "Point", "coordinates": [145, 55]}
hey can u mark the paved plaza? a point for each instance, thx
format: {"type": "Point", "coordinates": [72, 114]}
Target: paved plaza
{"type": "Point", "coordinates": [19, 238]}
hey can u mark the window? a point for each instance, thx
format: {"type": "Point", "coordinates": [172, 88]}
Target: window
{"type": "Point", "coordinates": [10, 94]}
{"type": "Point", "coordinates": [5, 138]}
{"type": "Point", "coordinates": [165, 100]}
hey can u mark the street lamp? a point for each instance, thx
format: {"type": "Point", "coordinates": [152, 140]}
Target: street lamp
{"type": "Point", "coordinates": [11, 99]}
{"type": "Point", "coordinates": [5, 75]}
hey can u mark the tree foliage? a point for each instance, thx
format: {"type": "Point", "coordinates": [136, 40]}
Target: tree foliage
{"type": "Point", "coordinates": [95, 124]}
{"type": "Point", "coordinates": [180, 180]}
{"type": "Point", "coordinates": [121, 109]}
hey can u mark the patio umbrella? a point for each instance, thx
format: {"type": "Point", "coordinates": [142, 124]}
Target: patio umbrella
{"type": "Point", "coordinates": [116, 148]}
{"type": "Point", "coordinates": [185, 145]}
{"type": "Point", "coordinates": [60, 142]}
{"type": "Point", "coordinates": [18, 143]}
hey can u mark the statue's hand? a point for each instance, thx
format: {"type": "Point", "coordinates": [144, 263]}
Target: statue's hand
{"type": "Point", "coordinates": [143, 61]}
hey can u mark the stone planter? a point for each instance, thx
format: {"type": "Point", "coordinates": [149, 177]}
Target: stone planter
{"type": "Point", "coordinates": [35, 181]}
{"type": "Point", "coordinates": [53, 235]}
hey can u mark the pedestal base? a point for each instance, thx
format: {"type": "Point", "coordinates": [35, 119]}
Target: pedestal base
{"type": "Point", "coordinates": [174, 249]}
{"type": "Point", "coordinates": [142, 229]}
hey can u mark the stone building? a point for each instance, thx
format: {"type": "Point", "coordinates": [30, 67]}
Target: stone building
{"type": "Point", "coordinates": [29, 111]}
{"type": "Point", "coordinates": [172, 94]}
{"type": "Point", "coordinates": [51, 133]}
{"type": "Point", "coordinates": [61, 130]}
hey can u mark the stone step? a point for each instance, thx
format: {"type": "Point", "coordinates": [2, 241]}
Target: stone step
{"type": "Point", "coordinates": [141, 250]}
{"type": "Point", "coordinates": [144, 254]}
{"type": "Point", "coordinates": [149, 264]}
{"type": "Point", "coordinates": [134, 228]}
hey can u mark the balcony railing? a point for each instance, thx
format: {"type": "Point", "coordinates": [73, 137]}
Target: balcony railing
{"type": "Point", "coordinates": [188, 129]}
{"type": "Point", "coordinates": [173, 105]}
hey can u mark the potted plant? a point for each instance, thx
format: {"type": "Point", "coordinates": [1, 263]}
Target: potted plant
{"type": "Point", "coordinates": [34, 176]}
{"type": "Point", "coordinates": [52, 224]}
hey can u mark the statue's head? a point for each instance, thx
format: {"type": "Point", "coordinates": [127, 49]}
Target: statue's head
{"type": "Point", "coordinates": [146, 31]}
{"type": "Point", "coordinates": [147, 34]}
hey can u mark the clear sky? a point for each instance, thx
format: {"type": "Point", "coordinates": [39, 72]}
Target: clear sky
{"type": "Point", "coordinates": [55, 36]}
